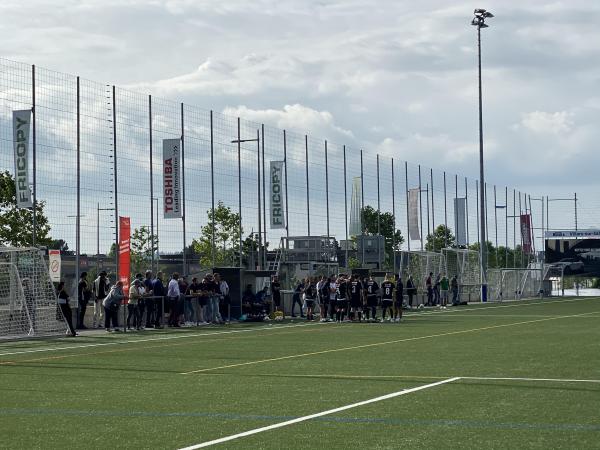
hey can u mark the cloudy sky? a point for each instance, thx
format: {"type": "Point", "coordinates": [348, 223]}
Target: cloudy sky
{"type": "Point", "coordinates": [395, 77]}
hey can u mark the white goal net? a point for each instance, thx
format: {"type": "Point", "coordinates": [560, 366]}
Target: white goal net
{"type": "Point", "coordinates": [28, 305]}
{"type": "Point", "coordinates": [466, 266]}
{"type": "Point", "coordinates": [420, 265]}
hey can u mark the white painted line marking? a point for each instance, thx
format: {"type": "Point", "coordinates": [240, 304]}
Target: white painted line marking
{"type": "Point", "coordinates": [320, 414]}
{"type": "Point", "coordinates": [378, 344]}
{"type": "Point", "coordinates": [161, 338]}
{"type": "Point", "coordinates": [555, 380]}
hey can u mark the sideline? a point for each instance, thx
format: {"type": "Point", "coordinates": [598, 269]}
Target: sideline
{"type": "Point", "coordinates": [316, 415]}
{"type": "Point", "coordinates": [378, 344]}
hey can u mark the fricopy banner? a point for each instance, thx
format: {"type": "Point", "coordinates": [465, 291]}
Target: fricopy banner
{"type": "Point", "coordinates": [277, 195]}
{"type": "Point", "coordinates": [413, 214]}
{"type": "Point", "coordinates": [21, 124]}
{"type": "Point", "coordinates": [172, 178]}
{"type": "Point", "coordinates": [124, 252]}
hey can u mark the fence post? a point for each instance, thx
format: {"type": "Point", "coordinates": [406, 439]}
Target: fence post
{"type": "Point", "coordinates": [239, 149]}
{"type": "Point", "coordinates": [346, 205]}
{"type": "Point", "coordinates": [407, 213]}
{"type": "Point", "coordinates": [258, 181]}
{"type": "Point", "coordinates": [212, 189]}
{"type": "Point", "coordinates": [326, 191]}
{"type": "Point", "coordinates": [445, 213]}
{"type": "Point", "coordinates": [287, 205]}
{"type": "Point", "coordinates": [115, 170]}
{"type": "Point", "coordinates": [362, 210]}
{"type": "Point", "coordinates": [378, 219]}
{"type": "Point", "coordinates": [77, 219]}
{"type": "Point", "coordinates": [420, 208]}
{"type": "Point", "coordinates": [151, 184]}
{"type": "Point", "coordinates": [393, 220]}
{"type": "Point", "coordinates": [184, 271]}
{"type": "Point", "coordinates": [264, 174]}
{"type": "Point", "coordinates": [432, 206]}
{"type": "Point", "coordinates": [34, 155]}
{"type": "Point", "coordinates": [467, 210]}
{"type": "Point", "coordinates": [307, 189]}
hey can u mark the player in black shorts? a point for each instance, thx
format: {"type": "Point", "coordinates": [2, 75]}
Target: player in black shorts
{"type": "Point", "coordinates": [356, 294]}
{"type": "Point", "coordinates": [341, 301]}
{"type": "Point", "coordinates": [399, 299]}
{"type": "Point", "coordinates": [371, 288]}
{"type": "Point", "coordinates": [310, 296]}
{"type": "Point", "coordinates": [387, 298]}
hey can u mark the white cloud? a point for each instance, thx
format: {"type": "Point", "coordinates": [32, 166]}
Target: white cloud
{"type": "Point", "coordinates": [547, 123]}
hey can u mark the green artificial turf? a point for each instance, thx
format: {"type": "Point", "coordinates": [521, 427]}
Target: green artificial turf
{"type": "Point", "coordinates": [170, 389]}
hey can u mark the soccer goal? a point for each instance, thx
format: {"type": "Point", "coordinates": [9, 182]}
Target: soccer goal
{"type": "Point", "coordinates": [466, 265]}
{"type": "Point", "coordinates": [28, 305]}
{"type": "Point", "coordinates": [420, 265]}
{"type": "Point", "coordinates": [512, 283]}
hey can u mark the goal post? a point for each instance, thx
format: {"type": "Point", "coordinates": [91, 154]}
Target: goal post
{"type": "Point", "coordinates": [465, 264]}
{"type": "Point", "coordinates": [28, 304]}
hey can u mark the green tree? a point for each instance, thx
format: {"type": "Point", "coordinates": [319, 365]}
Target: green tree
{"type": "Point", "coordinates": [60, 244]}
{"type": "Point", "coordinates": [441, 237]}
{"type": "Point", "coordinates": [227, 237]}
{"type": "Point", "coordinates": [16, 224]}
{"type": "Point", "coordinates": [384, 221]}
{"type": "Point", "coordinates": [353, 263]}
{"type": "Point", "coordinates": [141, 249]}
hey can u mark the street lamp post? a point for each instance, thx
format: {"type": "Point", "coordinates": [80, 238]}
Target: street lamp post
{"type": "Point", "coordinates": [479, 22]}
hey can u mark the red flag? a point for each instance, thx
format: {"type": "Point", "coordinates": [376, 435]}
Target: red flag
{"type": "Point", "coordinates": [124, 252]}
{"type": "Point", "coordinates": [526, 232]}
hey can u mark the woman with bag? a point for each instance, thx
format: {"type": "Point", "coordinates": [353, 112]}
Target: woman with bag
{"type": "Point", "coordinates": [111, 306]}
{"type": "Point", "coordinates": [63, 303]}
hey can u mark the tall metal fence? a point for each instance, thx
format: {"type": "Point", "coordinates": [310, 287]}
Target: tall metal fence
{"type": "Point", "coordinates": [97, 155]}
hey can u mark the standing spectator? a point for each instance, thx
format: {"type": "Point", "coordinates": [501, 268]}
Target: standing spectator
{"type": "Point", "coordinates": [224, 298]}
{"type": "Point", "coordinates": [247, 300]}
{"type": "Point", "coordinates": [158, 292]}
{"type": "Point", "coordinates": [194, 292]}
{"type": "Point", "coordinates": [429, 287]}
{"type": "Point", "coordinates": [136, 292]}
{"type": "Point", "coordinates": [297, 298]}
{"type": "Point", "coordinates": [444, 285]}
{"type": "Point", "coordinates": [84, 293]}
{"type": "Point", "coordinates": [436, 290]}
{"type": "Point", "coordinates": [333, 286]}
{"type": "Point", "coordinates": [399, 299]}
{"type": "Point", "coordinates": [454, 288]}
{"type": "Point", "coordinates": [371, 290]}
{"type": "Point", "coordinates": [63, 303]}
{"type": "Point", "coordinates": [100, 289]}
{"type": "Point", "coordinates": [149, 303]}
{"type": "Point", "coordinates": [173, 295]}
{"type": "Point", "coordinates": [276, 293]}
{"type": "Point", "coordinates": [411, 290]}
{"type": "Point", "coordinates": [111, 306]}
{"type": "Point", "coordinates": [185, 304]}
{"type": "Point", "coordinates": [212, 293]}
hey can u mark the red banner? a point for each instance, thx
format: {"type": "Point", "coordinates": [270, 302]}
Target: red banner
{"type": "Point", "coordinates": [124, 252]}
{"type": "Point", "coordinates": [526, 233]}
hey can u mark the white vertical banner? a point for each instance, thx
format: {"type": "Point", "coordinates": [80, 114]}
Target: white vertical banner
{"type": "Point", "coordinates": [54, 264]}
{"type": "Point", "coordinates": [277, 195]}
{"type": "Point", "coordinates": [413, 214]}
{"type": "Point", "coordinates": [21, 124]}
{"type": "Point", "coordinates": [172, 178]}
{"type": "Point", "coordinates": [460, 220]}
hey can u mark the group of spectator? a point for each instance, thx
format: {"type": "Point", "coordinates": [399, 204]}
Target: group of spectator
{"type": "Point", "coordinates": [147, 299]}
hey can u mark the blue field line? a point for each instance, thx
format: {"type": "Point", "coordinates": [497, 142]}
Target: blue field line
{"type": "Point", "coordinates": [373, 420]}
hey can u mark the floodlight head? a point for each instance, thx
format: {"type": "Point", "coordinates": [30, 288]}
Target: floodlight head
{"type": "Point", "coordinates": [474, 22]}
{"type": "Point", "coordinates": [483, 25]}
{"type": "Point", "coordinates": [479, 11]}
{"type": "Point", "coordinates": [488, 14]}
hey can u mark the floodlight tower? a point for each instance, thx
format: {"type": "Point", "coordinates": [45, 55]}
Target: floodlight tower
{"type": "Point", "coordinates": [479, 22]}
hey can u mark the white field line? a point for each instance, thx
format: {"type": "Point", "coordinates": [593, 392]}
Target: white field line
{"type": "Point", "coordinates": [319, 414]}
{"type": "Point", "coordinates": [425, 377]}
{"type": "Point", "coordinates": [379, 344]}
{"type": "Point", "coordinates": [161, 338]}
{"type": "Point", "coordinates": [266, 328]}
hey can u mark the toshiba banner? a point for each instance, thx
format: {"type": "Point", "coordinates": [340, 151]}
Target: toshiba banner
{"type": "Point", "coordinates": [171, 178]}
{"type": "Point", "coordinates": [124, 252]}
{"type": "Point", "coordinates": [21, 123]}
{"type": "Point", "coordinates": [277, 195]}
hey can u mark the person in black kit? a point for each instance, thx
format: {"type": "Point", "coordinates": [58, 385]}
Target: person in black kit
{"type": "Point", "coordinates": [410, 290]}
{"type": "Point", "coordinates": [158, 291]}
{"type": "Point", "coordinates": [149, 303]}
{"type": "Point", "coordinates": [387, 298]}
{"type": "Point", "coordinates": [341, 301]}
{"type": "Point", "coordinates": [84, 294]}
{"type": "Point", "coordinates": [356, 293]}
{"type": "Point", "coordinates": [310, 296]}
{"type": "Point", "coordinates": [276, 293]}
{"type": "Point", "coordinates": [371, 289]}
{"type": "Point", "coordinates": [399, 299]}
{"type": "Point", "coordinates": [296, 299]}
{"type": "Point", "coordinates": [63, 303]}
{"type": "Point", "coordinates": [324, 296]}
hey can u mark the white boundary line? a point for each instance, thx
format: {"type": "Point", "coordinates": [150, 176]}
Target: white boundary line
{"type": "Point", "coordinates": [161, 338]}
{"type": "Point", "coordinates": [320, 414]}
{"type": "Point", "coordinates": [556, 380]}
{"type": "Point", "coordinates": [410, 316]}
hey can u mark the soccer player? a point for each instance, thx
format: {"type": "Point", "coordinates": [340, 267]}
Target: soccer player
{"type": "Point", "coordinates": [324, 298]}
{"type": "Point", "coordinates": [341, 301]}
{"type": "Point", "coordinates": [399, 299]}
{"type": "Point", "coordinates": [310, 296]}
{"type": "Point", "coordinates": [444, 286]}
{"type": "Point", "coordinates": [387, 298]}
{"type": "Point", "coordinates": [356, 293]}
{"type": "Point", "coordinates": [371, 289]}
{"type": "Point", "coordinates": [333, 284]}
